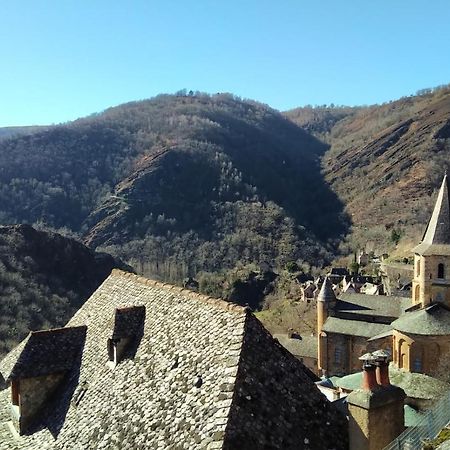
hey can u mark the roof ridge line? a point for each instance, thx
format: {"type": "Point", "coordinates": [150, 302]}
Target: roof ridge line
{"type": "Point", "coordinates": [228, 305]}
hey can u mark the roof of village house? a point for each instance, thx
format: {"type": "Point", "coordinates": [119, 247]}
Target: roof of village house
{"type": "Point", "coordinates": [354, 327]}
{"type": "Point", "coordinates": [340, 271]}
{"type": "Point", "coordinates": [305, 346]}
{"type": "Point", "coordinates": [432, 320]}
{"type": "Point", "coordinates": [326, 293]}
{"type": "Point", "coordinates": [436, 239]}
{"type": "Point", "coordinates": [153, 398]}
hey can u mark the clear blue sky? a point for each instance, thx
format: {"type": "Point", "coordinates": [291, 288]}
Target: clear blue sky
{"type": "Point", "coordinates": [64, 59]}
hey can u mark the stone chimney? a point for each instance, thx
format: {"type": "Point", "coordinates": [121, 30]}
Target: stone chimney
{"type": "Point", "coordinates": [376, 415]}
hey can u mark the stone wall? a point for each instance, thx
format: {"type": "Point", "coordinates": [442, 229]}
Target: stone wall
{"type": "Point", "coordinates": [376, 417]}
{"type": "Point", "coordinates": [33, 394]}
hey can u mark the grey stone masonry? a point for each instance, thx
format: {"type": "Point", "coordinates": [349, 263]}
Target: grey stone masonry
{"type": "Point", "coordinates": [182, 385]}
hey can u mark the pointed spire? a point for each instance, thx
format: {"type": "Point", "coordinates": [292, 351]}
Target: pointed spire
{"type": "Point", "coordinates": [438, 228]}
{"type": "Point", "coordinates": [326, 293]}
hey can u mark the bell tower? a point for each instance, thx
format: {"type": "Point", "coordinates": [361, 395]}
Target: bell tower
{"type": "Point", "coordinates": [326, 300]}
{"type": "Point", "coordinates": [431, 282]}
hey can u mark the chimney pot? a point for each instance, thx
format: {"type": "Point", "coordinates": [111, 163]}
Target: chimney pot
{"type": "Point", "coordinates": [369, 381]}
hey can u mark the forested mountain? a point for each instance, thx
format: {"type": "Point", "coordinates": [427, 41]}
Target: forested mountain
{"type": "Point", "coordinates": [320, 120]}
{"type": "Point", "coordinates": [44, 279]}
{"type": "Point", "coordinates": [385, 162]}
{"type": "Point", "coordinates": [177, 185]}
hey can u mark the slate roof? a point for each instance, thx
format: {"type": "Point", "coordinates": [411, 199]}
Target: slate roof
{"type": "Point", "coordinates": [436, 239]}
{"type": "Point", "coordinates": [306, 346]}
{"type": "Point", "coordinates": [372, 305]}
{"type": "Point", "coordinates": [354, 327]}
{"type": "Point", "coordinates": [128, 321]}
{"type": "Point", "coordinates": [205, 375]}
{"type": "Point", "coordinates": [44, 352]}
{"type": "Point", "coordinates": [432, 320]}
{"type": "Point", "coordinates": [326, 293]}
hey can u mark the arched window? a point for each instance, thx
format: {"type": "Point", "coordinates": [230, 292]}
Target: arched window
{"type": "Point", "coordinates": [417, 293]}
{"type": "Point", "coordinates": [441, 270]}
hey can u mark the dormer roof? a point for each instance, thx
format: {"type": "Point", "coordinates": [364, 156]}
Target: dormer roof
{"type": "Point", "coordinates": [44, 352]}
{"type": "Point", "coordinates": [436, 239]}
{"type": "Point", "coordinates": [128, 321]}
{"type": "Point", "coordinates": [326, 293]}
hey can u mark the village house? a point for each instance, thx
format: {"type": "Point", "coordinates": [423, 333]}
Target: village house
{"type": "Point", "coordinates": [146, 365]}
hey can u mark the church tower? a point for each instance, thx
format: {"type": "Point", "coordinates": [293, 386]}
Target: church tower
{"type": "Point", "coordinates": [431, 282]}
{"type": "Point", "coordinates": [326, 300]}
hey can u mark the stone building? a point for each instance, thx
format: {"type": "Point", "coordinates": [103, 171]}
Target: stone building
{"type": "Point", "coordinates": [146, 365]}
{"type": "Point", "coordinates": [422, 336]}
{"type": "Point", "coordinates": [352, 325]}
{"type": "Point", "coordinates": [417, 330]}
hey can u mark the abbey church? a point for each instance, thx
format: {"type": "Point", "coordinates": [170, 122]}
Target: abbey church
{"type": "Point", "coordinates": [416, 330]}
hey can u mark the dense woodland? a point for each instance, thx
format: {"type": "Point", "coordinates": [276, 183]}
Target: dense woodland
{"type": "Point", "coordinates": [178, 185]}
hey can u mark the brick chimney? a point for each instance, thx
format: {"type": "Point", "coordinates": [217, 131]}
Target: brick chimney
{"type": "Point", "coordinates": [376, 415]}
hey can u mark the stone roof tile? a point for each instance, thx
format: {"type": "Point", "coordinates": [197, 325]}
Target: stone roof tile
{"type": "Point", "coordinates": [45, 352]}
{"type": "Point", "coordinates": [432, 320]}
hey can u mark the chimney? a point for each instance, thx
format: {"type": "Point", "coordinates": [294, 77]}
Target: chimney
{"type": "Point", "coordinates": [376, 415]}
{"type": "Point", "coordinates": [369, 381]}
{"type": "Point", "coordinates": [382, 364]}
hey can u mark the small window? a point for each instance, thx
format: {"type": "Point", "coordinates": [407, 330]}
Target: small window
{"type": "Point", "coordinates": [417, 364]}
{"type": "Point", "coordinates": [418, 267]}
{"type": "Point", "coordinates": [15, 392]}
{"type": "Point", "coordinates": [337, 355]}
{"type": "Point", "coordinates": [441, 271]}
{"type": "Point", "coordinates": [112, 350]}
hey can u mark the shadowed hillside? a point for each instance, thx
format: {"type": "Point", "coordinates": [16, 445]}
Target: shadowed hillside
{"type": "Point", "coordinates": [177, 185]}
{"type": "Point", "coordinates": [44, 279]}
{"type": "Point", "coordinates": [385, 162]}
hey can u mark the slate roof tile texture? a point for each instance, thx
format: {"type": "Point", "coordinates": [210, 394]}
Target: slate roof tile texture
{"type": "Point", "coordinates": [433, 320]}
{"type": "Point", "coordinates": [354, 327]}
{"type": "Point", "coordinates": [45, 352]}
{"type": "Point", "coordinates": [205, 375]}
{"type": "Point", "coordinates": [372, 305]}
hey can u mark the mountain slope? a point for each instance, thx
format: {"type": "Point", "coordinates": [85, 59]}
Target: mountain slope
{"type": "Point", "coordinates": [178, 184]}
{"type": "Point", "coordinates": [385, 162]}
{"type": "Point", "coordinates": [44, 279]}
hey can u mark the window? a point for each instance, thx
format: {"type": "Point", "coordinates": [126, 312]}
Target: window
{"type": "Point", "coordinates": [441, 270]}
{"type": "Point", "coordinates": [417, 364]}
{"type": "Point", "coordinates": [337, 355]}
{"type": "Point", "coordinates": [418, 267]}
